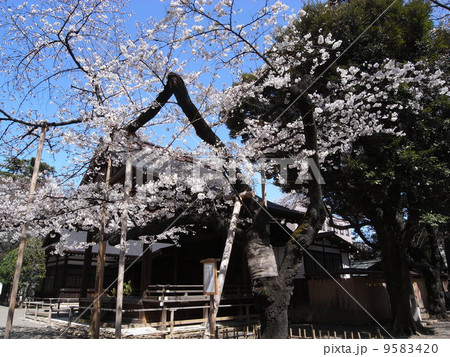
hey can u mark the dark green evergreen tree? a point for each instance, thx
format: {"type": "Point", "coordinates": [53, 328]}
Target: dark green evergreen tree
{"type": "Point", "coordinates": [398, 185]}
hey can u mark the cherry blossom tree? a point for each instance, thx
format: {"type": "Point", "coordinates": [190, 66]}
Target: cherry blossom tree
{"type": "Point", "coordinates": [345, 111]}
{"type": "Point", "coordinates": [108, 89]}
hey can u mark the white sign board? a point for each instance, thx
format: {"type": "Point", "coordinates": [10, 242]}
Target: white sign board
{"type": "Point", "coordinates": [209, 276]}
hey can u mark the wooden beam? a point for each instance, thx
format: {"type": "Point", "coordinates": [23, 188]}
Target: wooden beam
{"type": "Point", "coordinates": [123, 244]}
{"type": "Point", "coordinates": [224, 266]}
{"type": "Point", "coordinates": [263, 188]}
{"type": "Point", "coordinates": [146, 275]}
{"type": "Point", "coordinates": [87, 264]}
{"type": "Point", "coordinates": [94, 329]}
{"type": "Point", "coordinates": [23, 236]}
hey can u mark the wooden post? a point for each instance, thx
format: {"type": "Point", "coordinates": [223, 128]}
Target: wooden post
{"type": "Point", "coordinates": [263, 188]}
{"type": "Point", "coordinates": [70, 316]}
{"type": "Point", "coordinates": [224, 264]}
{"type": "Point", "coordinates": [172, 322]}
{"type": "Point", "coordinates": [49, 316]}
{"type": "Point", "coordinates": [247, 314]}
{"type": "Point", "coordinates": [145, 275]}
{"type": "Point", "coordinates": [212, 318]}
{"type": "Point", "coordinates": [87, 264]}
{"type": "Point", "coordinates": [94, 329]}
{"type": "Point", "coordinates": [22, 241]}
{"type": "Point", "coordinates": [64, 273]}
{"type": "Point", "coordinates": [123, 244]}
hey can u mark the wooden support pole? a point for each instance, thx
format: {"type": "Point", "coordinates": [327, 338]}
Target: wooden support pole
{"type": "Point", "coordinates": [172, 322]}
{"type": "Point", "coordinates": [224, 266]}
{"type": "Point", "coordinates": [123, 245]}
{"type": "Point", "coordinates": [94, 329]}
{"type": "Point", "coordinates": [22, 241]}
{"type": "Point", "coordinates": [87, 265]}
{"type": "Point", "coordinates": [263, 188]}
{"type": "Point", "coordinates": [212, 317]}
{"type": "Point", "coordinates": [146, 269]}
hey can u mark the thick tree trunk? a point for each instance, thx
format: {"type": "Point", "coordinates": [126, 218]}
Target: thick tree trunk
{"type": "Point", "coordinates": [428, 260]}
{"type": "Point", "coordinates": [435, 290]}
{"type": "Point", "coordinates": [436, 296]}
{"type": "Point", "coordinates": [269, 293]}
{"type": "Point", "coordinates": [398, 281]}
{"type": "Point", "coordinates": [272, 300]}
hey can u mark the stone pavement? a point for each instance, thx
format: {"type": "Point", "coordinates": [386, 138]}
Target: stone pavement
{"type": "Point", "coordinates": [29, 329]}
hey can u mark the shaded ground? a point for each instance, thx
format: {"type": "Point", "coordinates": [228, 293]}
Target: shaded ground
{"type": "Point", "coordinates": [26, 328]}
{"type": "Point", "coordinates": [29, 329]}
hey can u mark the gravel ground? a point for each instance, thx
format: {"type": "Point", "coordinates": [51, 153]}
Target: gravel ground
{"type": "Point", "coordinates": [24, 328]}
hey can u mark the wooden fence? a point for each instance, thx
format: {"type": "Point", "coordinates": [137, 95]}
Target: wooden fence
{"type": "Point", "coordinates": [254, 332]}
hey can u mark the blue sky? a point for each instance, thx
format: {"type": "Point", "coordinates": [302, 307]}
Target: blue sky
{"type": "Point", "coordinates": [143, 9]}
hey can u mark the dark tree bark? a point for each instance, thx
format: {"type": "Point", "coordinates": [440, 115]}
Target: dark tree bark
{"type": "Point", "coordinates": [393, 238]}
{"type": "Point", "coordinates": [428, 260]}
{"type": "Point", "coordinates": [398, 284]}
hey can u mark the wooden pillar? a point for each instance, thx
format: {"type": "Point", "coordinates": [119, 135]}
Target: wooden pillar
{"type": "Point", "coordinates": [87, 264]}
{"type": "Point", "coordinates": [94, 329]}
{"type": "Point", "coordinates": [55, 276]}
{"type": "Point", "coordinates": [23, 236]}
{"type": "Point", "coordinates": [64, 274]}
{"type": "Point", "coordinates": [223, 266]}
{"type": "Point", "coordinates": [175, 267]}
{"type": "Point", "coordinates": [263, 188]}
{"type": "Point", "coordinates": [146, 275]}
{"type": "Point", "coordinates": [123, 244]}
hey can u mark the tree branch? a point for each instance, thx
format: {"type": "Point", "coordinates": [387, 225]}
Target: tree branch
{"type": "Point", "coordinates": [438, 3]}
{"type": "Point", "coordinates": [38, 125]}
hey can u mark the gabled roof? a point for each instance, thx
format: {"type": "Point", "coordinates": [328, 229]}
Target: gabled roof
{"type": "Point", "coordinates": [372, 264]}
{"type": "Point", "coordinates": [340, 242]}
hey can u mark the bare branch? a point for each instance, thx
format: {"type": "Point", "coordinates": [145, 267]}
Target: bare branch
{"type": "Point", "coordinates": [440, 4]}
{"type": "Point", "coordinates": [37, 124]}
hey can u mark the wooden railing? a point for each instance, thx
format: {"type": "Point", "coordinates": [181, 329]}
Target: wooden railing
{"type": "Point", "coordinates": [47, 307]}
{"type": "Point", "coordinates": [168, 306]}
{"type": "Point", "coordinates": [172, 299]}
